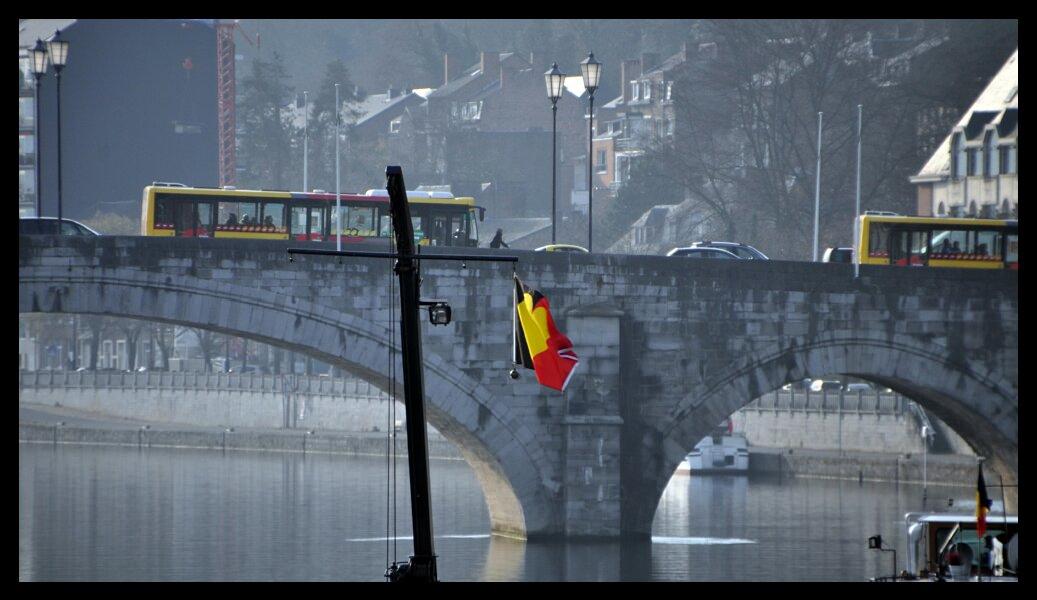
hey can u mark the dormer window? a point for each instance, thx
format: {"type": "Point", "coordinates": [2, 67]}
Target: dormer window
{"type": "Point", "coordinates": [957, 157]}
{"type": "Point", "coordinates": [646, 88]}
{"type": "Point", "coordinates": [635, 90]}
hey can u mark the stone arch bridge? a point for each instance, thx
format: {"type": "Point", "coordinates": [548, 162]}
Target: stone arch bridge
{"type": "Point", "coordinates": [668, 348]}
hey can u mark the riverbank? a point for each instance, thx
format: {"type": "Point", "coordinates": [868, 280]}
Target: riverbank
{"type": "Point", "coordinates": [934, 469]}
{"type": "Point", "coordinates": [62, 425]}
{"type": "Point", "coordinates": [58, 425]}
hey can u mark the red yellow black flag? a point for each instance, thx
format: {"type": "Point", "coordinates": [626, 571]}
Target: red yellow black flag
{"type": "Point", "coordinates": [538, 343]}
{"type": "Point", "coordinates": [983, 504]}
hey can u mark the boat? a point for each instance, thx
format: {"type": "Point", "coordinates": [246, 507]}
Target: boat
{"type": "Point", "coordinates": [945, 547]}
{"type": "Point", "coordinates": [724, 451]}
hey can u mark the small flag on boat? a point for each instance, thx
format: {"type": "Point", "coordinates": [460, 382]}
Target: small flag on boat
{"type": "Point", "coordinates": [538, 343]}
{"type": "Point", "coordinates": [983, 504]}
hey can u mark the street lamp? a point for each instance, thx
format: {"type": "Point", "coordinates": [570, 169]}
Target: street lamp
{"type": "Point", "coordinates": [58, 50]}
{"type": "Point", "coordinates": [38, 58]}
{"type": "Point", "coordinates": [553, 79]}
{"type": "Point", "coordinates": [591, 70]}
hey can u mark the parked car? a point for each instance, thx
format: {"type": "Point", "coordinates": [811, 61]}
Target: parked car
{"type": "Point", "coordinates": [820, 385]}
{"type": "Point", "coordinates": [802, 384]}
{"type": "Point", "coordinates": [737, 248]}
{"type": "Point", "coordinates": [838, 255]}
{"type": "Point", "coordinates": [49, 226]}
{"type": "Point", "coordinates": [561, 248]}
{"type": "Point", "coordinates": [858, 387]}
{"type": "Point", "coordinates": [702, 253]}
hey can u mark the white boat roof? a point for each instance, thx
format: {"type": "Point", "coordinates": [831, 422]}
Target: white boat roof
{"type": "Point", "coordinates": [992, 519]}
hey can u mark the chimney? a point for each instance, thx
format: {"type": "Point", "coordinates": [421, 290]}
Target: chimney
{"type": "Point", "coordinates": [451, 69]}
{"type": "Point", "coordinates": [392, 93]}
{"type": "Point", "coordinates": [628, 70]}
{"type": "Point", "coordinates": [684, 51]}
{"type": "Point", "coordinates": [649, 60]}
{"type": "Point", "coordinates": [489, 63]}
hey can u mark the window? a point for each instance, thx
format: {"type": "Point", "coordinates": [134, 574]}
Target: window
{"type": "Point", "coordinates": [1007, 160]}
{"type": "Point", "coordinates": [669, 91]}
{"type": "Point", "coordinates": [941, 210]}
{"type": "Point", "coordinates": [878, 238]}
{"type": "Point", "coordinates": [957, 157]}
{"type": "Point", "coordinates": [26, 149]}
{"type": "Point", "coordinates": [635, 90]}
{"type": "Point", "coordinates": [26, 116]}
{"type": "Point", "coordinates": [646, 89]}
{"type": "Point", "coordinates": [272, 217]}
{"type": "Point", "coordinates": [990, 146]}
{"type": "Point", "coordinates": [360, 221]}
{"type": "Point", "coordinates": [394, 125]}
{"type": "Point", "coordinates": [974, 162]}
{"type": "Point", "coordinates": [601, 163]}
{"type": "Point", "coordinates": [471, 111]}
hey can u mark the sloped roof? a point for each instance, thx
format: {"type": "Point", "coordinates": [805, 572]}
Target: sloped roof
{"type": "Point", "coordinates": [1000, 94]}
{"type": "Point", "coordinates": [29, 30]}
{"type": "Point", "coordinates": [375, 104]}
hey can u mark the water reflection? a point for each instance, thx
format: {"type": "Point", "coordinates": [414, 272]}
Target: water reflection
{"type": "Point", "coordinates": [100, 514]}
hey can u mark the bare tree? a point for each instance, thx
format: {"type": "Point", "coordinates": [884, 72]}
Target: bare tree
{"type": "Point", "coordinates": [745, 145]}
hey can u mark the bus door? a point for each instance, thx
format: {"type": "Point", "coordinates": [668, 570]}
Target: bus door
{"type": "Point", "coordinates": [909, 247]}
{"type": "Point", "coordinates": [193, 218]}
{"type": "Point", "coordinates": [1012, 250]}
{"type": "Point", "coordinates": [307, 223]}
{"type": "Point", "coordinates": [439, 231]}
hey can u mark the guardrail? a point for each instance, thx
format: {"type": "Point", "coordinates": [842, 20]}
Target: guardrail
{"type": "Point", "coordinates": [313, 385]}
{"type": "Point", "coordinates": [831, 401]}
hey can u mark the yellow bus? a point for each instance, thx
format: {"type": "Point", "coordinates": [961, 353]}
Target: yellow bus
{"type": "Point", "coordinates": [175, 210]}
{"type": "Point", "coordinates": [938, 242]}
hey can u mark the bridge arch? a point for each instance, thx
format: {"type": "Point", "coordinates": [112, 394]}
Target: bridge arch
{"type": "Point", "coordinates": [947, 388]}
{"type": "Point", "coordinates": [457, 405]}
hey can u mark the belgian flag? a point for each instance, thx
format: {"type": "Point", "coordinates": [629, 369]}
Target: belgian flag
{"type": "Point", "coordinates": [538, 343]}
{"type": "Point", "coordinates": [983, 504]}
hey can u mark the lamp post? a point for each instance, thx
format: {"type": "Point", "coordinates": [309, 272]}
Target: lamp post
{"type": "Point", "coordinates": [38, 56]}
{"type": "Point", "coordinates": [554, 78]}
{"type": "Point", "coordinates": [591, 70]}
{"type": "Point", "coordinates": [338, 189]}
{"type": "Point", "coordinates": [58, 50]}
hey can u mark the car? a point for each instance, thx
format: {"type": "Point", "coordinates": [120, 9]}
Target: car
{"type": "Point", "coordinates": [858, 387]}
{"type": "Point", "coordinates": [820, 385]}
{"type": "Point", "coordinates": [838, 255]}
{"type": "Point", "coordinates": [561, 248]}
{"type": "Point", "coordinates": [702, 253]}
{"type": "Point", "coordinates": [737, 248]}
{"type": "Point", "coordinates": [802, 384]}
{"type": "Point", "coordinates": [49, 226]}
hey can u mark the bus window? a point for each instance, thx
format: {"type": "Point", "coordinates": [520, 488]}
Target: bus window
{"type": "Point", "coordinates": [384, 223]}
{"type": "Point", "coordinates": [298, 222]}
{"type": "Point", "coordinates": [192, 218]}
{"type": "Point", "coordinates": [163, 213]}
{"type": "Point", "coordinates": [248, 213]}
{"type": "Point", "coordinates": [909, 247]}
{"type": "Point", "coordinates": [272, 216]}
{"type": "Point", "coordinates": [878, 238]}
{"type": "Point", "coordinates": [1012, 251]}
{"type": "Point", "coordinates": [988, 245]}
{"type": "Point", "coordinates": [228, 215]}
{"type": "Point", "coordinates": [360, 220]}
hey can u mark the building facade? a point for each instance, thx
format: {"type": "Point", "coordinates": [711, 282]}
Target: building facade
{"type": "Point", "coordinates": [138, 104]}
{"type": "Point", "coordinates": [975, 171]}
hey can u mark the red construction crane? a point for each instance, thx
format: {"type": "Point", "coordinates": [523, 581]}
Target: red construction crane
{"type": "Point", "coordinates": [225, 97]}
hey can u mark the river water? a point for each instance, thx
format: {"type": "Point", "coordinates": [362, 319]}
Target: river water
{"type": "Point", "coordinates": [94, 513]}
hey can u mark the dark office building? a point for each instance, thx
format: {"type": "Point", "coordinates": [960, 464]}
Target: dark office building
{"type": "Point", "coordinates": [138, 104]}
